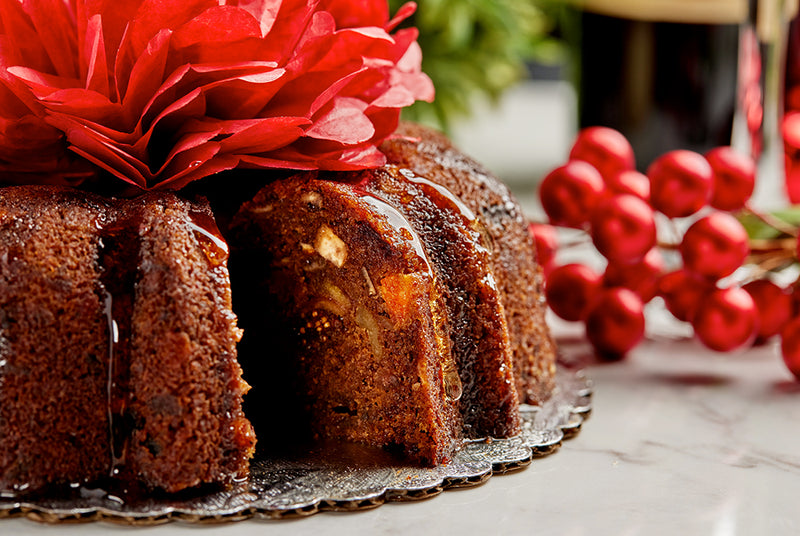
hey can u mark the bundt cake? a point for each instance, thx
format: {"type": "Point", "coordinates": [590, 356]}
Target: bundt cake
{"type": "Point", "coordinates": [323, 297]}
{"type": "Point", "coordinates": [397, 307]}
{"type": "Point", "coordinates": [117, 343]}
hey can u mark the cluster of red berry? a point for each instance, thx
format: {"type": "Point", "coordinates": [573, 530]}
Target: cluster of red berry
{"type": "Point", "coordinates": [693, 198]}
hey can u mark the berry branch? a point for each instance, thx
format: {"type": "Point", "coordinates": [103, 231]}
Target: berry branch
{"type": "Point", "coordinates": [687, 206]}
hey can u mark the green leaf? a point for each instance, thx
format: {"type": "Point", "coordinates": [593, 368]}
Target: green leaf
{"type": "Point", "coordinates": [758, 229]}
{"type": "Point", "coordinates": [479, 48]}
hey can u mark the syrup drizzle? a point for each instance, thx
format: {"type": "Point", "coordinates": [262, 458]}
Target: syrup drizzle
{"type": "Point", "coordinates": [209, 238]}
{"type": "Point", "coordinates": [456, 204]}
{"type": "Point", "coordinates": [113, 340]}
{"type": "Point", "coordinates": [455, 201]}
{"type": "Point", "coordinates": [453, 388]}
{"type": "Point", "coordinates": [397, 220]}
{"type": "Point", "coordinates": [451, 379]}
{"type": "Point", "coordinates": [118, 259]}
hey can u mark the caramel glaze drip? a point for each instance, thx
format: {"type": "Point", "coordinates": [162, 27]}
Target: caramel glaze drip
{"type": "Point", "coordinates": [118, 257]}
{"type": "Point", "coordinates": [455, 234]}
{"type": "Point", "coordinates": [209, 238]}
{"type": "Point", "coordinates": [119, 250]}
{"type": "Point", "coordinates": [451, 381]}
{"type": "Point", "coordinates": [396, 219]}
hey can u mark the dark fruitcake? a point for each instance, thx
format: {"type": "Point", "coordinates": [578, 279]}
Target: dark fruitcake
{"type": "Point", "coordinates": [398, 307]}
{"type": "Point", "coordinates": [346, 333]}
{"type": "Point", "coordinates": [117, 343]}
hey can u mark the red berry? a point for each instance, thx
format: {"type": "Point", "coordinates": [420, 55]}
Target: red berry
{"type": "Point", "coordinates": [570, 192]}
{"type": "Point", "coordinates": [680, 183]}
{"type": "Point", "coordinates": [641, 277]}
{"type": "Point", "coordinates": [615, 322]}
{"type": "Point", "coordinates": [790, 129]}
{"type": "Point", "coordinates": [792, 98]}
{"type": "Point", "coordinates": [715, 245]}
{"type": "Point", "coordinates": [790, 346]}
{"type": "Point", "coordinates": [629, 181]}
{"type": "Point", "coordinates": [570, 288]}
{"type": "Point", "coordinates": [734, 178]}
{"type": "Point", "coordinates": [682, 292]}
{"type": "Point", "coordinates": [726, 319]}
{"type": "Point", "coordinates": [774, 305]}
{"type": "Point", "coordinates": [792, 180]}
{"type": "Point", "coordinates": [623, 228]}
{"type": "Point", "coordinates": [605, 148]}
{"type": "Point", "coordinates": [794, 292]}
{"type": "Point", "coordinates": [546, 239]}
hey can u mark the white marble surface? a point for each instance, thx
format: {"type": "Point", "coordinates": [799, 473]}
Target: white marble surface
{"type": "Point", "coordinates": [681, 441]}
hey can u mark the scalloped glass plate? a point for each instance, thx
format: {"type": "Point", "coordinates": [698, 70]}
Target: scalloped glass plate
{"type": "Point", "coordinates": [333, 478]}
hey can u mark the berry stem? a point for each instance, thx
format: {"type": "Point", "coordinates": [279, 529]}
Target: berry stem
{"type": "Point", "coordinates": [769, 262]}
{"type": "Point", "coordinates": [772, 221]}
{"type": "Point", "coordinates": [785, 246]}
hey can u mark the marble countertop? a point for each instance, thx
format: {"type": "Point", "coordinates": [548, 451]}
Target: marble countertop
{"type": "Point", "coordinates": [681, 441]}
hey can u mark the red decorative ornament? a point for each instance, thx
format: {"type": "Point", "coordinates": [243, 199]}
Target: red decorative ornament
{"type": "Point", "coordinates": [773, 304]}
{"type": "Point", "coordinates": [615, 322]}
{"type": "Point", "coordinates": [623, 228]}
{"type": "Point", "coordinates": [570, 192]}
{"type": "Point", "coordinates": [734, 178]}
{"type": "Point", "coordinates": [570, 289]}
{"type": "Point", "coordinates": [726, 319]}
{"type": "Point", "coordinates": [605, 148]}
{"type": "Point", "coordinates": [704, 205]}
{"type": "Point", "coordinates": [715, 245]}
{"type": "Point", "coordinates": [545, 237]}
{"type": "Point", "coordinates": [160, 93]}
{"type": "Point", "coordinates": [682, 292]}
{"type": "Point", "coordinates": [680, 183]}
{"type": "Point", "coordinates": [641, 277]}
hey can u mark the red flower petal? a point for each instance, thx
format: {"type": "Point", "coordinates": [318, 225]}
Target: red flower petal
{"type": "Point", "coordinates": [146, 77]}
{"type": "Point", "coordinates": [97, 69]}
{"type": "Point", "coordinates": [405, 11]}
{"type": "Point", "coordinates": [154, 16]}
{"type": "Point", "coordinates": [244, 96]}
{"type": "Point", "coordinates": [264, 12]}
{"type": "Point", "coordinates": [53, 23]}
{"type": "Point", "coordinates": [345, 122]}
{"type": "Point", "coordinates": [219, 24]}
{"type": "Point", "coordinates": [257, 136]}
{"type": "Point", "coordinates": [115, 16]}
{"type": "Point", "coordinates": [357, 13]}
{"type": "Point", "coordinates": [88, 105]}
{"type": "Point", "coordinates": [41, 84]}
{"type": "Point", "coordinates": [163, 92]}
{"type": "Point", "coordinates": [22, 45]}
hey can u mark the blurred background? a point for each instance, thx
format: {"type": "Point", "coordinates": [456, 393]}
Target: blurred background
{"type": "Point", "coordinates": [516, 79]}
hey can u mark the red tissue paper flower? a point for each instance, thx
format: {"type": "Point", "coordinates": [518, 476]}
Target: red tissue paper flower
{"type": "Point", "coordinates": [163, 92]}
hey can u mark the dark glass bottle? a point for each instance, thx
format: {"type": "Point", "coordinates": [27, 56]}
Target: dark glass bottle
{"type": "Point", "coordinates": [664, 82]}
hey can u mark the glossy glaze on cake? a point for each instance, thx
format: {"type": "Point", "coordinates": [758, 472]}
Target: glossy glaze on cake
{"type": "Point", "coordinates": [428, 153]}
{"type": "Point", "coordinates": [397, 307]}
{"type": "Point", "coordinates": [117, 344]}
{"type": "Point", "coordinates": [456, 242]}
{"type": "Point", "coordinates": [345, 321]}
{"type": "Point", "coordinates": [319, 290]}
